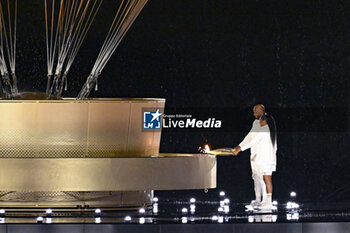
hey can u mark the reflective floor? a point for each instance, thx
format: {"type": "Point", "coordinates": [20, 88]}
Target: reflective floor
{"type": "Point", "coordinates": [184, 211]}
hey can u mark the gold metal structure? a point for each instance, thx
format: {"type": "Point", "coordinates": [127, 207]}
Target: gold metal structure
{"type": "Point", "coordinates": [89, 152]}
{"type": "Point", "coordinates": [72, 128]}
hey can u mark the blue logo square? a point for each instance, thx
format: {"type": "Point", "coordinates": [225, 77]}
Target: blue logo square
{"type": "Point", "coordinates": [151, 120]}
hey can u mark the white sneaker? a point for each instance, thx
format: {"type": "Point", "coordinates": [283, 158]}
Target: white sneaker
{"type": "Point", "coordinates": [266, 206]}
{"type": "Point", "coordinates": [253, 205]}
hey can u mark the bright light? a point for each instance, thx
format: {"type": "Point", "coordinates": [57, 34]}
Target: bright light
{"type": "Point", "coordinates": [214, 218]}
{"type": "Point", "coordinates": [206, 148]}
{"type": "Point", "coordinates": [192, 200]}
{"type": "Point", "coordinates": [274, 208]}
{"type": "Point", "coordinates": [39, 219]}
{"type": "Point", "coordinates": [295, 216]}
{"type": "Point", "coordinates": [142, 220]}
{"type": "Point", "coordinates": [2, 211]}
{"type": "Point", "coordinates": [49, 211]}
{"type": "Point", "coordinates": [2, 220]}
{"type": "Point", "coordinates": [155, 208]}
{"type": "Point", "coordinates": [48, 220]}
{"type": "Point", "coordinates": [97, 220]}
{"type": "Point", "coordinates": [221, 219]}
{"type": "Point", "coordinates": [222, 193]}
{"type": "Point", "coordinates": [184, 220]}
{"type": "Point", "coordinates": [274, 203]}
{"type": "Point", "coordinates": [220, 209]}
{"type": "Point", "coordinates": [184, 210]}
{"type": "Point", "coordinates": [293, 194]}
{"type": "Point", "coordinates": [274, 218]}
{"type": "Point", "coordinates": [250, 218]}
{"type": "Point", "coordinates": [127, 218]}
{"type": "Point", "coordinates": [192, 208]}
{"type": "Point", "coordinates": [289, 216]}
{"type": "Point", "coordinates": [222, 203]}
{"type": "Point", "coordinates": [226, 201]}
{"type": "Point", "coordinates": [155, 199]}
{"type": "Point", "coordinates": [226, 209]}
{"type": "Point", "coordinates": [97, 211]}
{"type": "Point", "coordinates": [292, 205]}
{"type": "Point", "coordinates": [142, 211]}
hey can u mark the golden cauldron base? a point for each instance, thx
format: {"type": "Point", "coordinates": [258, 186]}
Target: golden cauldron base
{"type": "Point", "coordinates": [115, 182]}
{"type": "Point", "coordinates": [94, 152]}
{"type": "Point", "coordinates": [61, 199]}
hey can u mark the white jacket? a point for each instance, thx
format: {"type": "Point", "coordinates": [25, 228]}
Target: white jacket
{"type": "Point", "coordinates": [263, 152]}
{"type": "Point", "coordinates": [246, 143]}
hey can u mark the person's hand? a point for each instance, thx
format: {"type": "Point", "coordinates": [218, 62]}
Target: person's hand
{"type": "Point", "coordinates": [236, 150]}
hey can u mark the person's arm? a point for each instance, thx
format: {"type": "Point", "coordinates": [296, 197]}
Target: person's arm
{"type": "Point", "coordinates": [248, 140]}
{"type": "Point", "coordinates": [257, 136]}
{"type": "Point", "coordinates": [245, 144]}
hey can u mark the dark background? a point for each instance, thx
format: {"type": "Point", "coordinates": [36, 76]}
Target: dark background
{"type": "Point", "coordinates": [226, 54]}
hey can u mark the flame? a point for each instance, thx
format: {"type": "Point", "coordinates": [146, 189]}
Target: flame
{"type": "Point", "coordinates": [206, 148]}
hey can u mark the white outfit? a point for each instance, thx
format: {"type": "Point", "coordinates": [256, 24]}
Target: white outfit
{"type": "Point", "coordinates": [265, 159]}
{"type": "Point", "coordinates": [259, 184]}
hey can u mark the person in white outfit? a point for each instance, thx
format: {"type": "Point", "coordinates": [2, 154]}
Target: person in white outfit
{"type": "Point", "coordinates": [263, 146]}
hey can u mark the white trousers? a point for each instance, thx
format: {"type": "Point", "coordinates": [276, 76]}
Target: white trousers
{"type": "Point", "coordinates": [259, 184]}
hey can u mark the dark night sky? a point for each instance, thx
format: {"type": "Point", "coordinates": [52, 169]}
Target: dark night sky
{"type": "Point", "coordinates": [229, 54]}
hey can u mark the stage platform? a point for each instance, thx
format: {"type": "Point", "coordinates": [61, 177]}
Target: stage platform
{"type": "Point", "coordinates": [169, 215]}
{"type": "Point", "coordinates": [172, 228]}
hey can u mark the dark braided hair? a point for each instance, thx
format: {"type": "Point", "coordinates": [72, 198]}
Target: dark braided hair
{"type": "Point", "coordinates": [272, 126]}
